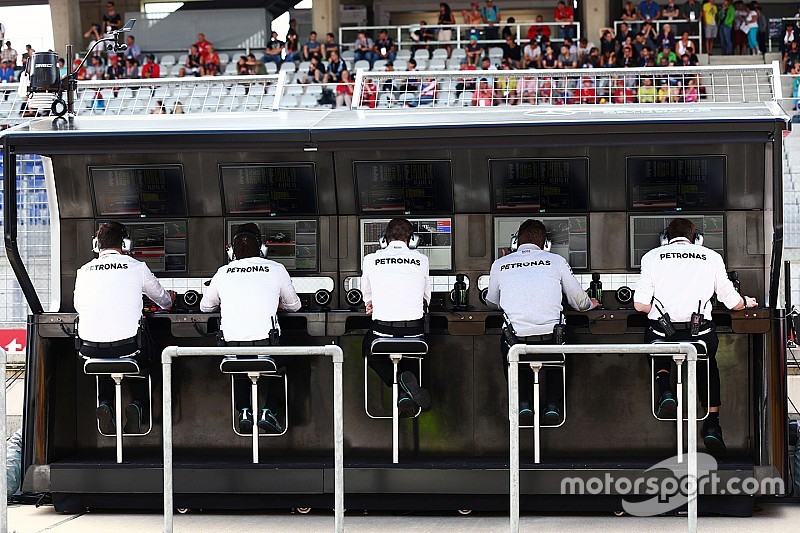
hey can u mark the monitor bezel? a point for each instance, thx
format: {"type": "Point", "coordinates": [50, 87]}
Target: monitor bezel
{"type": "Point", "coordinates": [446, 212]}
{"type": "Point", "coordinates": [97, 213]}
{"type": "Point", "coordinates": [262, 214]}
{"type": "Point", "coordinates": [629, 187]}
{"type": "Point", "coordinates": [497, 210]}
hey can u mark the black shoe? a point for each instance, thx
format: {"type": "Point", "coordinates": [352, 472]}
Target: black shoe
{"type": "Point", "coordinates": [421, 397]}
{"type": "Point", "coordinates": [552, 415]}
{"type": "Point", "coordinates": [133, 418]}
{"type": "Point", "coordinates": [712, 438]}
{"type": "Point", "coordinates": [525, 414]}
{"type": "Point", "coordinates": [406, 406]}
{"type": "Point", "coordinates": [667, 405]}
{"type": "Point", "coordinates": [269, 422]}
{"type": "Point", "coordinates": [245, 421]}
{"type": "Point", "coordinates": [105, 417]}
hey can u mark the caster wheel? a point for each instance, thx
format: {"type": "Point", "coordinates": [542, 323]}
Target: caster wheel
{"type": "Point", "coordinates": [182, 510]}
{"type": "Point", "coordinates": [619, 513]}
{"type": "Point", "coordinates": [304, 510]}
{"type": "Point", "coordinates": [464, 512]}
{"type": "Point", "coordinates": [59, 107]}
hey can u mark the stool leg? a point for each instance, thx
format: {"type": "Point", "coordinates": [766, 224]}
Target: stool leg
{"type": "Point", "coordinates": [254, 403]}
{"type": "Point", "coordinates": [118, 414]}
{"type": "Point", "coordinates": [679, 411]}
{"type": "Point", "coordinates": [395, 413]}
{"type": "Point", "coordinates": [537, 425]}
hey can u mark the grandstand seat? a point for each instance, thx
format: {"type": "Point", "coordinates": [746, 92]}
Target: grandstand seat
{"type": "Point", "coordinates": [349, 56]}
{"type": "Point", "coordinates": [422, 64]}
{"type": "Point", "coordinates": [224, 59]}
{"type": "Point", "coordinates": [176, 70]}
{"type": "Point", "coordinates": [439, 53]}
{"type": "Point", "coordinates": [495, 53]}
{"type": "Point", "coordinates": [458, 53]}
{"type": "Point", "coordinates": [308, 101]}
{"type": "Point", "coordinates": [266, 101]}
{"type": "Point", "coordinates": [230, 70]}
{"type": "Point", "coordinates": [379, 65]}
{"type": "Point", "coordinates": [401, 66]}
{"type": "Point", "coordinates": [256, 89]}
{"type": "Point", "coordinates": [289, 100]}
{"type": "Point", "coordinates": [239, 90]}
{"type": "Point", "coordinates": [113, 106]}
{"type": "Point", "coordinates": [304, 66]}
{"type": "Point", "coordinates": [295, 90]}
{"type": "Point", "coordinates": [272, 68]}
{"type": "Point", "coordinates": [466, 99]}
{"type": "Point", "coordinates": [271, 90]}
{"type": "Point", "coordinates": [402, 56]}
{"type": "Point", "coordinates": [182, 59]}
{"type": "Point", "coordinates": [238, 103]}
{"type": "Point", "coordinates": [215, 91]}
{"type": "Point", "coordinates": [288, 66]}
{"type": "Point", "coordinates": [422, 54]}
{"type": "Point", "coordinates": [167, 60]}
{"type": "Point", "coordinates": [436, 64]}
{"type": "Point", "coordinates": [407, 98]}
{"type": "Point", "coordinates": [453, 64]}
{"type": "Point", "coordinates": [161, 93]}
{"type": "Point", "coordinates": [362, 64]}
{"type": "Point", "coordinates": [314, 89]}
{"type": "Point", "coordinates": [126, 93]}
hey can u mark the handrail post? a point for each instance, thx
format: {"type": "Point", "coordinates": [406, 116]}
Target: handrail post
{"type": "Point", "coordinates": [3, 448]}
{"type": "Point", "coordinates": [513, 430]}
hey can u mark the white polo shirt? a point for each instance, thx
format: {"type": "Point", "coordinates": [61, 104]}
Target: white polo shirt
{"type": "Point", "coordinates": [527, 286]}
{"type": "Point", "coordinates": [108, 296]}
{"type": "Point", "coordinates": [680, 275]}
{"type": "Point", "coordinates": [248, 293]}
{"type": "Point", "coordinates": [396, 280]}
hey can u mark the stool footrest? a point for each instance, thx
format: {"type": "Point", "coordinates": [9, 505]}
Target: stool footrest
{"type": "Point", "coordinates": [231, 365]}
{"type": "Point", "coordinates": [398, 345]}
{"type": "Point", "coordinates": [110, 366]}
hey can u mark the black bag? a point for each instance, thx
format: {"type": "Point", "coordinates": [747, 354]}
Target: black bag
{"type": "Point", "coordinates": [327, 98]}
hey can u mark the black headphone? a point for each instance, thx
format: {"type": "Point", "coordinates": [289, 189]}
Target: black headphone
{"type": "Point", "coordinates": [127, 245]}
{"type": "Point", "coordinates": [664, 239]}
{"type": "Point", "coordinates": [413, 241]}
{"type": "Point", "coordinates": [514, 246]}
{"type": "Point", "coordinates": [262, 250]}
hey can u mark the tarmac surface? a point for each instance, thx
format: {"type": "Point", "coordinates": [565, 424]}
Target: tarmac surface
{"type": "Point", "coordinates": [774, 518]}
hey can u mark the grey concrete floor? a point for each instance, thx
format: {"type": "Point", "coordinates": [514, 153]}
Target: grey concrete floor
{"type": "Point", "coordinates": [773, 518]}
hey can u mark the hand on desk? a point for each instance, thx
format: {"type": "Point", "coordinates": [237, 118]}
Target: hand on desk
{"type": "Point", "coordinates": [750, 302]}
{"type": "Point", "coordinates": [595, 303]}
{"type": "Point", "coordinates": [369, 308]}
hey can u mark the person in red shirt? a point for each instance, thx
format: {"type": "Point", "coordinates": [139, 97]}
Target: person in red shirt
{"type": "Point", "coordinates": [202, 46]}
{"type": "Point", "coordinates": [587, 94]}
{"type": "Point", "coordinates": [565, 13]}
{"type": "Point", "coordinates": [212, 62]}
{"type": "Point", "coordinates": [622, 94]}
{"type": "Point", "coordinates": [539, 31]}
{"type": "Point", "coordinates": [151, 69]}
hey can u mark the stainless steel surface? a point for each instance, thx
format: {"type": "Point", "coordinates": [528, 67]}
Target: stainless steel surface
{"type": "Point", "coordinates": [118, 415]}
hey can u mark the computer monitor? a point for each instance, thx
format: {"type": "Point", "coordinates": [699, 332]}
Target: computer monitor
{"type": "Point", "coordinates": [644, 231]}
{"type": "Point", "coordinates": [676, 183]}
{"type": "Point", "coordinates": [291, 242]}
{"type": "Point", "coordinates": [138, 191]}
{"type": "Point", "coordinates": [404, 187]}
{"type": "Point", "coordinates": [273, 189]}
{"type": "Point", "coordinates": [160, 244]}
{"type": "Point", "coordinates": [568, 236]}
{"type": "Point", "coordinates": [435, 234]}
{"type": "Point", "coordinates": [540, 185]}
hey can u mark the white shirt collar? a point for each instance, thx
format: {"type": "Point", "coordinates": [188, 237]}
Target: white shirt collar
{"type": "Point", "coordinates": [679, 240]}
{"type": "Point", "coordinates": [108, 251]}
{"type": "Point", "coordinates": [528, 245]}
{"type": "Point", "coordinates": [398, 245]}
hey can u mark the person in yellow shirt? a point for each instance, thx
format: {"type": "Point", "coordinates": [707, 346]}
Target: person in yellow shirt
{"type": "Point", "coordinates": [647, 91]}
{"type": "Point", "coordinates": [710, 24]}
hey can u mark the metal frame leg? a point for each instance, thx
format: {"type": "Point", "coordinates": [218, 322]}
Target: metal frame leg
{"type": "Point", "coordinates": [679, 412]}
{"type": "Point", "coordinates": [395, 411]}
{"type": "Point", "coordinates": [118, 414]}
{"type": "Point", "coordinates": [254, 404]}
{"type": "Point", "coordinates": [537, 423]}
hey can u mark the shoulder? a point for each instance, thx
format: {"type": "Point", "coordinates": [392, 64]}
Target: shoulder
{"type": "Point", "coordinates": [712, 254]}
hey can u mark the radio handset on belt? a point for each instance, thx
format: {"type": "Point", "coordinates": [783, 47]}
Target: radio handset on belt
{"type": "Point", "coordinates": [697, 318]}
{"type": "Point", "coordinates": [274, 333]}
{"type": "Point", "coordinates": [509, 335]}
{"type": "Point", "coordinates": [665, 322]}
{"type": "Point", "coordinates": [560, 330]}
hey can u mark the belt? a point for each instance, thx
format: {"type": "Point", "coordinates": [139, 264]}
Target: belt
{"type": "Point", "coordinates": [400, 323]}
{"type": "Point", "coordinates": [536, 338]}
{"type": "Point", "coordinates": [112, 344]}
{"type": "Point", "coordinates": [705, 327]}
{"type": "Point", "coordinates": [262, 342]}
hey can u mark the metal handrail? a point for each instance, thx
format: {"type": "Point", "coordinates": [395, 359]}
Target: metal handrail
{"type": "Point", "coordinates": [3, 449]}
{"type": "Point", "coordinates": [330, 350]}
{"type": "Point", "coordinates": [575, 349]}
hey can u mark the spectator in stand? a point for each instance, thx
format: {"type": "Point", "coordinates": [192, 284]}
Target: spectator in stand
{"type": "Point", "coordinates": [111, 19]}
{"type": "Point", "coordinates": [526, 90]}
{"type": "Point", "coordinates": [693, 60]}
{"type": "Point", "coordinates": [627, 60]}
{"type": "Point", "coordinates": [241, 66]}
{"type": "Point", "coordinates": [474, 18]}
{"type": "Point", "coordinates": [131, 69]}
{"type": "Point", "coordinates": [202, 45]}
{"type": "Point", "coordinates": [671, 11]}
{"type": "Point", "coordinates": [610, 60]}
{"type": "Point", "coordinates": [539, 30]}
{"type": "Point", "coordinates": [584, 47]}
{"type": "Point", "coordinates": [621, 93]}
{"type": "Point", "coordinates": [274, 51]}
{"type": "Point", "coordinates": [608, 44]}
{"type": "Point", "coordinates": [363, 46]}
{"type": "Point", "coordinates": [151, 69]}
{"type": "Point", "coordinates": [691, 93]}
{"type": "Point", "coordinates": [648, 10]}
{"type": "Point", "coordinates": [750, 28]}
{"type": "Point", "coordinates": [490, 14]}
{"type": "Point", "coordinates": [7, 72]}
{"type": "Point", "coordinates": [506, 88]}
{"type": "Point", "coordinates": [646, 58]}
{"type": "Point", "coordinates": [94, 34]}
{"type": "Point", "coordinates": [509, 29]}
{"type": "Point", "coordinates": [586, 94]}
{"type": "Point", "coordinates": [512, 53]}
{"type": "Point", "coordinates": [384, 47]}
{"type": "Point", "coordinates": [649, 30]}
{"type": "Point", "coordinates": [177, 109]}
{"type": "Point", "coordinates": [572, 48]}
{"type": "Point", "coordinates": [212, 65]}
{"type": "Point", "coordinates": [484, 94]}
{"type": "Point", "coordinates": [81, 75]}
{"type": "Point", "coordinates": [315, 72]}
{"type": "Point", "coordinates": [466, 83]}
{"type": "Point", "coordinates": [412, 84]}
{"type": "Point", "coordinates": [133, 51]}
{"type": "Point", "coordinates": [312, 47]}
{"type": "Point", "coordinates": [791, 56]}
{"type": "Point", "coordinates": [423, 36]}
{"type": "Point", "coordinates": [623, 33]}
{"type": "Point", "coordinates": [292, 48]}
{"type": "Point", "coordinates": [95, 70]}
{"type": "Point", "coordinates": [29, 51]}
{"type": "Point", "coordinates": [683, 44]}
{"type": "Point", "coordinates": [344, 91]}
{"type": "Point", "coordinates": [474, 51]}
{"type": "Point", "coordinates": [642, 42]}
{"type": "Point", "coordinates": [629, 13]}
{"type": "Point", "coordinates": [647, 91]}
{"type": "Point", "coordinates": [566, 59]}
{"type": "Point", "coordinates": [159, 109]}
{"type": "Point", "coordinates": [531, 55]}
{"type": "Point", "coordinates": [254, 66]}
{"type": "Point", "coordinates": [9, 54]}
{"type": "Point", "coordinates": [795, 71]}
{"type": "Point", "coordinates": [789, 36]}
{"type": "Point", "coordinates": [427, 93]}
{"type": "Point", "coordinates": [116, 70]}
{"type": "Point", "coordinates": [739, 35]}
{"type": "Point", "coordinates": [691, 11]}
{"type": "Point", "coordinates": [336, 66]}
{"type": "Point", "coordinates": [193, 64]}
{"type": "Point", "coordinates": [329, 46]}
{"type": "Point", "coordinates": [667, 52]}
{"type": "Point", "coordinates": [763, 28]}
{"type": "Point", "coordinates": [593, 60]}
{"type": "Point", "coordinates": [666, 36]}
{"type": "Point", "coordinates": [725, 23]}
{"type": "Point", "coordinates": [446, 18]}
{"type": "Point", "coordinates": [292, 28]}
{"type": "Point", "coordinates": [564, 13]}
{"type": "Point", "coordinates": [549, 59]}
{"type": "Point", "coordinates": [710, 12]}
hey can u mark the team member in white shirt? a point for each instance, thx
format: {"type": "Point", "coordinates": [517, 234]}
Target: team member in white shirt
{"type": "Point", "coordinates": [527, 285]}
{"type": "Point", "coordinates": [679, 279]}
{"type": "Point", "coordinates": [248, 291]}
{"type": "Point", "coordinates": [397, 288]}
{"type": "Point", "coordinates": [108, 299]}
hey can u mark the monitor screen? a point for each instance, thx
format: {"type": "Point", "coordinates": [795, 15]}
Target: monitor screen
{"type": "Point", "coordinates": [676, 183]}
{"type": "Point", "coordinates": [161, 245]}
{"type": "Point", "coordinates": [568, 237]}
{"type": "Point", "coordinates": [435, 234]}
{"type": "Point", "coordinates": [407, 187]}
{"type": "Point", "coordinates": [293, 243]}
{"type": "Point", "coordinates": [644, 232]}
{"type": "Point", "coordinates": [138, 191]}
{"type": "Point", "coordinates": [540, 184]}
{"type": "Point", "coordinates": [269, 189]}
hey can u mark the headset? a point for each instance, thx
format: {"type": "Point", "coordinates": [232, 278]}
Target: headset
{"type": "Point", "coordinates": [127, 245]}
{"type": "Point", "coordinates": [664, 239]}
{"type": "Point", "coordinates": [262, 248]}
{"type": "Point", "coordinates": [413, 241]}
{"type": "Point", "coordinates": [514, 246]}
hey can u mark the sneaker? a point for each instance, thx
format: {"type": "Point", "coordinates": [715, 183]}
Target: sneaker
{"type": "Point", "coordinates": [406, 406]}
{"type": "Point", "coordinates": [667, 405]}
{"type": "Point", "coordinates": [712, 438]}
{"type": "Point", "coordinates": [269, 422]}
{"type": "Point", "coordinates": [525, 414]}
{"type": "Point", "coordinates": [133, 418]}
{"type": "Point", "coordinates": [245, 421]}
{"type": "Point", "coordinates": [421, 397]}
{"type": "Point", "coordinates": [105, 417]}
{"type": "Point", "coordinates": [552, 415]}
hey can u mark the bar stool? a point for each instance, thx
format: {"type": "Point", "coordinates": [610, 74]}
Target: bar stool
{"type": "Point", "coordinates": [255, 368]}
{"type": "Point", "coordinates": [553, 361]}
{"type": "Point", "coordinates": [396, 348]}
{"type": "Point", "coordinates": [117, 369]}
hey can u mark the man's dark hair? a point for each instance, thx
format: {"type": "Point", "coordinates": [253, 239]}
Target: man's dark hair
{"type": "Point", "coordinates": [247, 241]}
{"type": "Point", "coordinates": [681, 227]}
{"type": "Point", "coordinates": [532, 232]}
{"type": "Point", "coordinates": [329, 34]}
{"type": "Point", "coordinates": [110, 235]}
{"type": "Point", "coordinates": [399, 229]}
{"type": "Point", "coordinates": [413, 62]}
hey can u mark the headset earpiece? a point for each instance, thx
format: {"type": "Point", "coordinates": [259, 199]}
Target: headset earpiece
{"type": "Point", "coordinates": [413, 241]}
{"type": "Point", "coordinates": [127, 244]}
{"type": "Point", "coordinates": [698, 239]}
{"type": "Point", "coordinates": [383, 242]}
{"type": "Point", "coordinates": [663, 240]}
{"type": "Point", "coordinates": [514, 246]}
{"type": "Point", "coordinates": [547, 245]}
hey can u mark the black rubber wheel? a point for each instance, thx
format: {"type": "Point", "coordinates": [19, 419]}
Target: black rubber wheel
{"type": "Point", "coordinates": [58, 107]}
